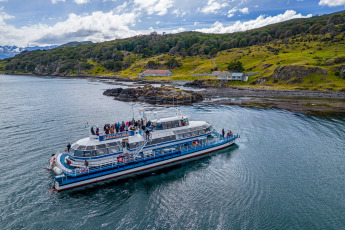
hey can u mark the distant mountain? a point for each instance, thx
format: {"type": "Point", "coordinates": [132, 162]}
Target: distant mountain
{"type": "Point", "coordinates": [11, 51]}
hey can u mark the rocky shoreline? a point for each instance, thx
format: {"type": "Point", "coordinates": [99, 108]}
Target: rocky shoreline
{"type": "Point", "coordinates": [300, 101]}
{"type": "Point", "coordinates": [155, 95]}
{"type": "Point", "coordinates": [305, 102]}
{"type": "Point", "coordinates": [250, 92]}
{"type": "Point", "coordinates": [305, 106]}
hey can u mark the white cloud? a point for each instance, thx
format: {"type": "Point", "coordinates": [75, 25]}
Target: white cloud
{"type": "Point", "coordinates": [121, 8]}
{"type": "Point", "coordinates": [252, 24]}
{"type": "Point", "coordinates": [232, 12]}
{"type": "Point", "coordinates": [180, 13]}
{"type": "Point", "coordinates": [56, 1]}
{"type": "Point", "coordinates": [332, 2]}
{"type": "Point", "coordinates": [213, 6]}
{"type": "Point", "coordinates": [76, 1]}
{"type": "Point", "coordinates": [158, 7]}
{"type": "Point", "coordinates": [196, 23]}
{"type": "Point", "coordinates": [157, 22]}
{"type": "Point", "coordinates": [81, 1]}
{"type": "Point", "coordinates": [179, 30]}
{"type": "Point", "coordinates": [244, 10]}
{"type": "Point", "coordinates": [96, 27]}
{"type": "Point", "coordinates": [3, 15]}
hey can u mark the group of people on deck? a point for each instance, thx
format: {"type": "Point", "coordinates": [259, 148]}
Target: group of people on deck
{"type": "Point", "coordinates": [118, 127]}
{"type": "Point", "coordinates": [228, 134]}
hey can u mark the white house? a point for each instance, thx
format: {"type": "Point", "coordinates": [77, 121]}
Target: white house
{"type": "Point", "coordinates": [228, 76]}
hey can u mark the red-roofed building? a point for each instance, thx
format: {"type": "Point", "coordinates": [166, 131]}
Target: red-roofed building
{"type": "Point", "coordinates": [157, 72]}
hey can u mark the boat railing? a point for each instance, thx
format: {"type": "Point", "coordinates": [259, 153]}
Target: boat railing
{"type": "Point", "coordinates": [148, 155]}
{"type": "Point", "coordinates": [132, 130]}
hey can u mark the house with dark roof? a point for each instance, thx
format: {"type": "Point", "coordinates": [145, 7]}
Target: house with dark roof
{"type": "Point", "coordinates": [157, 72]}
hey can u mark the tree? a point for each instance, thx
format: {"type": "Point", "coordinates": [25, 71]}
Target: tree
{"type": "Point", "coordinates": [173, 63]}
{"type": "Point", "coordinates": [183, 52]}
{"type": "Point", "coordinates": [235, 66]}
{"type": "Point", "coordinates": [213, 52]}
{"type": "Point", "coordinates": [243, 42]}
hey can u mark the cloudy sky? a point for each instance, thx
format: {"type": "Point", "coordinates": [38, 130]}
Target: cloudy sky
{"type": "Point", "coordinates": [54, 22]}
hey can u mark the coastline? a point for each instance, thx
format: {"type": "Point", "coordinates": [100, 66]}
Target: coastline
{"type": "Point", "coordinates": [300, 101]}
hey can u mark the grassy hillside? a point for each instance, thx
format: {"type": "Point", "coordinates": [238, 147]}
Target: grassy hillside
{"type": "Point", "coordinates": [316, 42]}
{"type": "Point", "coordinates": [264, 59]}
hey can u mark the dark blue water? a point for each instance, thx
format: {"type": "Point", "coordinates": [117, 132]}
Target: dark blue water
{"type": "Point", "coordinates": [286, 172]}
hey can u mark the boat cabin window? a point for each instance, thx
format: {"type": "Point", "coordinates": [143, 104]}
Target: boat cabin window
{"type": "Point", "coordinates": [103, 151]}
{"type": "Point", "coordinates": [101, 146]}
{"type": "Point", "coordinates": [81, 147]}
{"type": "Point", "coordinates": [135, 145]}
{"type": "Point", "coordinates": [114, 149]}
{"type": "Point", "coordinates": [87, 154]}
{"type": "Point", "coordinates": [171, 124]}
{"type": "Point", "coordinates": [112, 144]}
{"type": "Point", "coordinates": [71, 151]}
{"type": "Point", "coordinates": [92, 147]}
{"type": "Point", "coordinates": [163, 139]}
{"type": "Point", "coordinates": [79, 153]}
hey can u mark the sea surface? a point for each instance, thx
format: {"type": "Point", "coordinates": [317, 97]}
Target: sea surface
{"type": "Point", "coordinates": [287, 171]}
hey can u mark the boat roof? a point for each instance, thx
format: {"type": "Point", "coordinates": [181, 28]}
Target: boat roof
{"type": "Point", "coordinates": [169, 119]}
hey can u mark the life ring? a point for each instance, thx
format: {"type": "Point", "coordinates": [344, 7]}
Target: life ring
{"type": "Point", "coordinates": [83, 170]}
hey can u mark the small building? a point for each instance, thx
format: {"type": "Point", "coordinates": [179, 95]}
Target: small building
{"type": "Point", "coordinates": [228, 76]}
{"type": "Point", "coordinates": [157, 72]}
{"type": "Point", "coordinates": [222, 75]}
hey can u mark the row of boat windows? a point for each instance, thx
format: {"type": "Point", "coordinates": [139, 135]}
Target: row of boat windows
{"type": "Point", "coordinates": [171, 124]}
{"type": "Point", "coordinates": [191, 134]}
{"type": "Point", "coordinates": [95, 147]}
{"type": "Point", "coordinates": [98, 152]}
{"type": "Point", "coordinates": [163, 139]}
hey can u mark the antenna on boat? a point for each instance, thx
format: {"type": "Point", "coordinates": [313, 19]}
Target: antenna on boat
{"type": "Point", "coordinates": [133, 111]}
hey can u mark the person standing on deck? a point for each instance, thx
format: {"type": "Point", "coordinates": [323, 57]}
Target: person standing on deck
{"type": "Point", "coordinates": [223, 133]}
{"type": "Point", "coordinates": [147, 134]}
{"type": "Point", "coordinates": [97, 131]}
{"type": "Point", "coordinates": [68, 147]}
{"type": "Point", "coordinates": [86, 163]}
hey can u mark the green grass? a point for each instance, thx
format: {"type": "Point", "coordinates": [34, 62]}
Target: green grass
{"type": "Point", "coordinates": [259, 59]}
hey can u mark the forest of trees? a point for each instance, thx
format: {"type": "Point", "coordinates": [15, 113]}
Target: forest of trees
{"type": "Point", "coordinates": [114, 55]}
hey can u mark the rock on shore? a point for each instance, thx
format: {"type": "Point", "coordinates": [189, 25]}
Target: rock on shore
{"type": "Point", "coordinates": [155, 95]}
{"type": "Point", "coordinates": [296, 73]}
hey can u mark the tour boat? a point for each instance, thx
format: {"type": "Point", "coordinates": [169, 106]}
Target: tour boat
{"type": "Point", "coordinates": [140, 149]}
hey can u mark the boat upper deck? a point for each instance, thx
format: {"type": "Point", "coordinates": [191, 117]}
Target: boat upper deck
{"type": "Point", "coordinates": [137, 135]}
